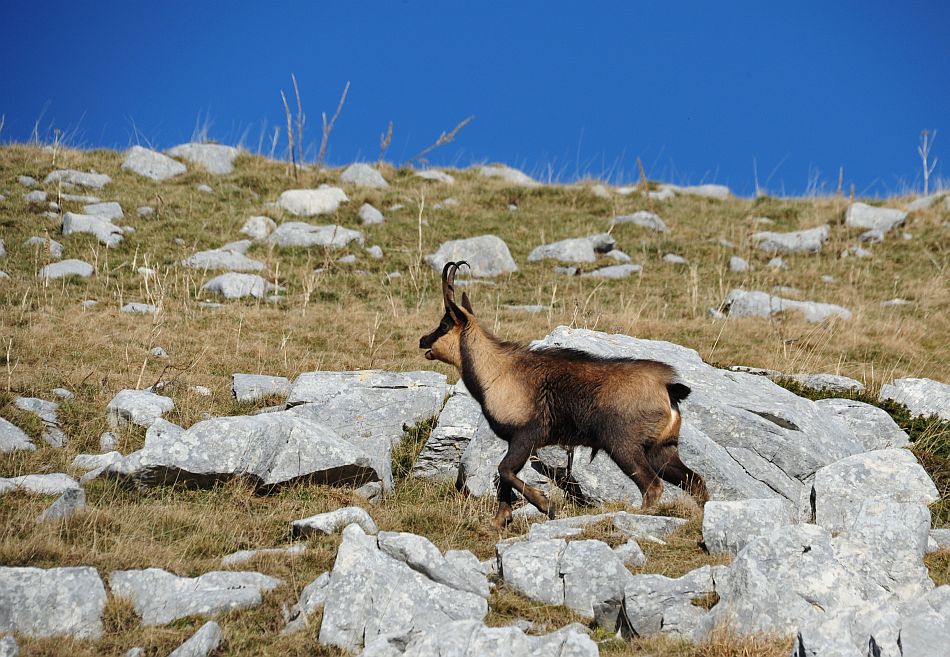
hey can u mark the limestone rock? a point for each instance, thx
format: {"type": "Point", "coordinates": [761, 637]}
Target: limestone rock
{"type": "Point", "coordinates": [675, 259]}
{"type": "Point", "coordinates": [643, 219]}
{"type": "Point", "coordinates": [215, 158]}
{"type": "Point", "coordinates": [258, 228]}
{"type": "Point", "coordinates": [13, 438]}
{"type": "Point", "coordinates": [311, 600]}
{"type": "Point", "coordinates": [741, 303]}
{"type": "Point", "coordinates": [151, 164]}
{"type": "Point", "coordinates": [8, 647]}
{"type": "Point", "coordinates": [136, 308]}
{"type": "Point", "coordinates": [161, 597]}
{"type": "Point", "coordinates": [70, 502]}
{"type": "Point", "coordinates": [47, 412]}
{"type": "Point", "coordinates": [251, 387]}
{"type": "Point", "coordinates": [109, 210]}
{"type": "Point", "coordinates": [487, 255]}
{"type": "Point", "coordinates": [577, 249]}
{"type": "Point", "coordinates": [80, 178]}
{"type": "Point", "coordinates": [370, 215]}
{"type": "Point", "coordinates": [223, 258]}
{"type": "Point", "coordinates": [300, 234]}
{"type": "Point", "coordinates": [457, 569]}
{"type": "Point", "coordinates": [841, 488]}
{"type": "Point", "coordinates": [861, 215]}
{"type": "Point", "coordinates": [828, 382]}
{"type": "Point", "coordinates": [238, 286]}
{"type": "Point", "coordinates": [460, 419]}
{"type": "Point", "coordinates": [718, 192]}
{"type": "Point", "coordinates": [923, 397]}
{"type": "Point", "coordinates": [369, 408]}
{"type": "Point", "coordinates": [873, 426]}
{"type": "Point", "coordinates": [532, 569]}
{"type": "Point", "coordinates": [729, 526]}
{"type": "Point", "coordinates": [333, 522]}
{"type": "Point", "coordinates": [508, 175]}
{"type": "Point", "coordinates": [655, 603]}
{"type": "Point", "coordinates": [363, 175]}
{"type": "Point", "coordinates": [310, 202]}
{"type": "Point", "coordinates": [436, 175]}
{"type": "Point", "coordinates": [36, 196]}
{"type": "Point", "coordinates": [139, 407]}
{"type": "Point", "coordinates": [371, 594]}
{"type": "Point", "coordinates": [55, 483]}
{"type": "Point", "coordinates": [800, 241]}
{"type": "Point", "coordinates": [202, 643]}
{"type": "Point", "coordinates": [737, 264]}
{"type": "Point", "coordinates": [48, 602]}
{"type": "Point", "coordinates": [55, 248]}
{"type": "Point", "coordinates": [614, 271]}
{"type": "Point", "coordinates": [268, 449]}
{"type": "Point", "coordinates": [105, 231]}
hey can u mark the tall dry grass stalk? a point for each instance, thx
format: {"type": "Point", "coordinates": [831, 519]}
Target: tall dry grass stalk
{"type": "Point", "coordinates": [444, 138]}
{"type": "Point", "coordinates": [328, 126]}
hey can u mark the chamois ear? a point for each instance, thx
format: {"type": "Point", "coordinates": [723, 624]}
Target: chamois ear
{"type": "Point", "coordinates": [466, 303]}
{"type": "Point", "coordinates": [459, 316]}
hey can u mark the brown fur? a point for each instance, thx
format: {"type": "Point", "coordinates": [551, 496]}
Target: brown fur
{"type": "Point", "coordinates": [535, 398]}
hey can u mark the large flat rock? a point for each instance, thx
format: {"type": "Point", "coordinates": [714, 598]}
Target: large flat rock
{"type": "Point", "coordinates": [869, 217]}
{"type": "Point", "coordinates": [300, 234]}
{"type": "Point", "coordinates": [152, 164]}
{"type": "Point", "coordinates": [923, 397]}
{"type": "Point", "coordinates": [310, 202]}
{"type": "Point", "coordinates": [105, 231]}
{"type": "Point", "coordinates": [215, 158]}
{"type": "Point", "coordinates": [487, 255]}
{"type": "Point", "coordinates": [742, 303]}
{"type": "Point", "coordinates": [46, 602]}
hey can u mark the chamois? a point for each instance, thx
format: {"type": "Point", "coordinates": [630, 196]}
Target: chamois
{"type": "Point", "coordinates": [555, 396]}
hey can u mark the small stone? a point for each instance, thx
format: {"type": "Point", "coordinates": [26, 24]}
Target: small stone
{"type": "Point", "coordinates": [436, 175]}
{"type": "Point", "coordinates": [568, 271]}
{"type": "Point", "coordinates": [487, 255]}
{"type": "Point", "coordinates": [65, 268]}
{"type": "Point", "coordinates": [777, 263]}
{"type": "Point", "coordinates": [856, 251]}
{"type": "Point", "coordinates": [508, 175]}
{"type": "Point", "coordinates": [63, 393]}
{"type": "Point", "coordinates": [54, 248]}
{"type": "Point", "coordinates": [674, 259]}
{"type": "Point", "coordinates": [726, 243]}
{"type": "Point", "coordinates": [897, 301]}
{"type": "Point", "coordinates": [110, 210]}
{"type": "Point", "coordinates": [13, 438]}
{"type": "Point", "coordinates": [333, 522]}
{"type": "Point", "coordinates": [802, 241]}
{"type": "Point", "coordinates": [907, 236]}
{"type": "Point", "coordinates": [104, 230]}
{"type": "Point", "coordinates": [644, 220]}
{"type": "Point", "coordinates": [37, 196]}
{"type": "Point", "coordinates": [139, 407]}
{"type": "Point", "coordinates": [223, 258]}
{"type": "Point", "coordinates": [27, 181]}
{"type": "Point", "coordinates": [300, 234]}
{"type": "Point", "coordinates": [618, 256]}
{"type": "Point", "coordinates": [151, 164]}
{"type": "Point", "coordinates": [55, 483]}
{"type": "Point", "coordinates": [202, 643]}
{"type": "Point", "coordinates": [363, 175]}
{"type": "Point", "coordinates": [215, 158]}
{"type": "Point", "coordinates": [370, 215]}
{"type": "Point", "coordinates": [205, 189]}
{"type": "Point", "coordinates": [252, 387]}
{"type": "Point", "coordinates": [346, 260]}
{"type": "Point", "coordinates": [80, 178]}
{"type": "Point", "coordinates": [923, 397]}
{"type": "Point", "coordinates": [69, 503]}
{"type": "Point", "coordinates": [238, 286]}
{"type": "Point", "coordinates": [107, 442]}
{"type": "Point", "coordinates": [738, 265]}
{"type": "Point", "coordinates": [614, 271]}
{"type": "Point", "coordinates": [89, 303]}
{"type": "Point", "coordinates": [873, 236]}
{"type": "Point", "coordinates": [259, 228]}
{"type": "Point", "coordinates": [375, 252]}
{"type": "Point", "coordinates": [145, 211]}
{"type": "Point", "coordinates": [827, 278]}
{"type": "Point", "coordinates": [136, 308]}
{"type": "Point", "coordinates": [861, 215]}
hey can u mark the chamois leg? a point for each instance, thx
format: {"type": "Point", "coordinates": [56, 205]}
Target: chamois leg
{"type": "Point", "coordinates": [632, 459]}
{"type": "Point", "coordinates": [519, 449]}
{"type": "Point", "coordinates": [665, 459]}
{"type": "Point", "coordinates": [505, 499]}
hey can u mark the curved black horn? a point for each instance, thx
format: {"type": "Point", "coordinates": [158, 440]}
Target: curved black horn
{"type": "Point", "coordinates": [448, 292]}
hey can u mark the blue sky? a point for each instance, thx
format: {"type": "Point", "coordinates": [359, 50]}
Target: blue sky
{"type": "Point", "coordinates": [701, 91]}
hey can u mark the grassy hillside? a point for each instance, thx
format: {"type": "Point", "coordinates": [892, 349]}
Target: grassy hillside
{"type": "Point", "coordinates": [354, 316]}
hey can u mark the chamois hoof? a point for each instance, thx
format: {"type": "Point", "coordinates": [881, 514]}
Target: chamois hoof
{"type": "Point", "coordinates": [501, 519]}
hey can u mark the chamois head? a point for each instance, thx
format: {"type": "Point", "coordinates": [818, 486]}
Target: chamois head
{"type": "Point", "coordinates": [444, 342]}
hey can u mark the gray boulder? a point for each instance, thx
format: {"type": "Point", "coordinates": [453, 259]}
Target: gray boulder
{"type": "Point", "coordinates": [643, 219]}
{"type": "Point", "coordinates": [333, 522]}
{"type": "Point", "coordinates": [49, 602]}
{"type": "Point", "coordinates": [487, 255]}
{"type": "Point", "coordinates": [922, 397]}
{"type": "Point", "coordinates": [840, 488]}
{"type": "Point", "coordinates": [614, 271]}
{"type": "Point", "coordinates": [729, 526]}
{"type": "Point", "coordinates": [80, 178]}
{"type": "Point", "coordinates": [436, 175]}
{"type": "Point", "coordinates": [577, 249]}
{"type": "Point", "coordinates": [675, 259]}
{"type": "Point", "coordinates": [655, 603]}
{"type": "Point", "coordinates": [251, 387]}
{"type": "Point", "coordinates": [268, 449]}
{"type": "Point", "coordinates": [458, 569]}
{"type": "Point", "coordinates": [628, 525]}
{"type": "Point", "coordinates": [363, 175]}
{"type": "Point", "coordinates": [310, 202]}
{"type": "Point", "coordinates": [239, 286]}
{"type": "Point", "coordinates": [370, 593]}
{"type": "Point", "coordinates": [258, 228]}
{"type": "Point", "coordinates": [300, 234]}
{"type": "Point", "coordinates": [464, 638]}
{"type": "Point", "coordinates": [370, 215]}
{"type": "Point", "coordinates": [13, 438]}
{"type": "Point", "coordinates": [109, 210]}
{"type": "Point", "coordinates": [215, 158]}
{"type": "Point", "coordinates": [312, 598]}
{"type": "Point", "coordinates": [151, 164]}
{"type": "Point", "coordinates": [139, 407]}
{"type": "Point", "coordinates": [47, 412]}
{"type": "Point", "coordinates": [861, 215]}
{"type": "Point", "coordinates": [738, 265]}
{"type": "Point", "coordinates": [202, 643]}
{"type": "Point", "coordinates": [54, 247]}
{"type": "Point", "coordinates": [69, 503]}
{"type": "Point", "coordinates": [873, 426]}
{"type": "Point", "coordinates": [461, 418]}
{"type": "Point", "coordinates": [924, 202]}
{"type": "Point", "coordinates": [799, 241]}
{"type": "Point", "coordinates": [508, 175]}
{"type": "Point", "coordinates": [718, 192]}
{"type": "Point", "coordinates": [747, 436]}
{"type": "Point", "coordinates": [223, 258]}
{"type": "Point", "coordinates": [105, 231]}
{"type": "Point", "coordinates": [925, 629]}
{"type": "Point", "coordinates": [828, 382]}
{"type": "Point", "coordinates": [8, 647]}
{"type": "Point", "coordinates": [160, 597]}
{"type": "Point", "coordinates": [532, 569]}
{"type": "Point", "coordinates": [36, 196]}
{"type": "Point", "coordinates": [741, 303]}
{"type": "Point", "coordinates": [369, 408]}
{"type": "Point", "coordinates": [55, 483]}
{"type": "Point", "coordinates": [27, 181]}
{"type": "Point", "coordinates": [242, 556]}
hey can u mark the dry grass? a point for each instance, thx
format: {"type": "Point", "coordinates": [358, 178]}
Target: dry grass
{"type": "Point", "coordinates": [345, 319]}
